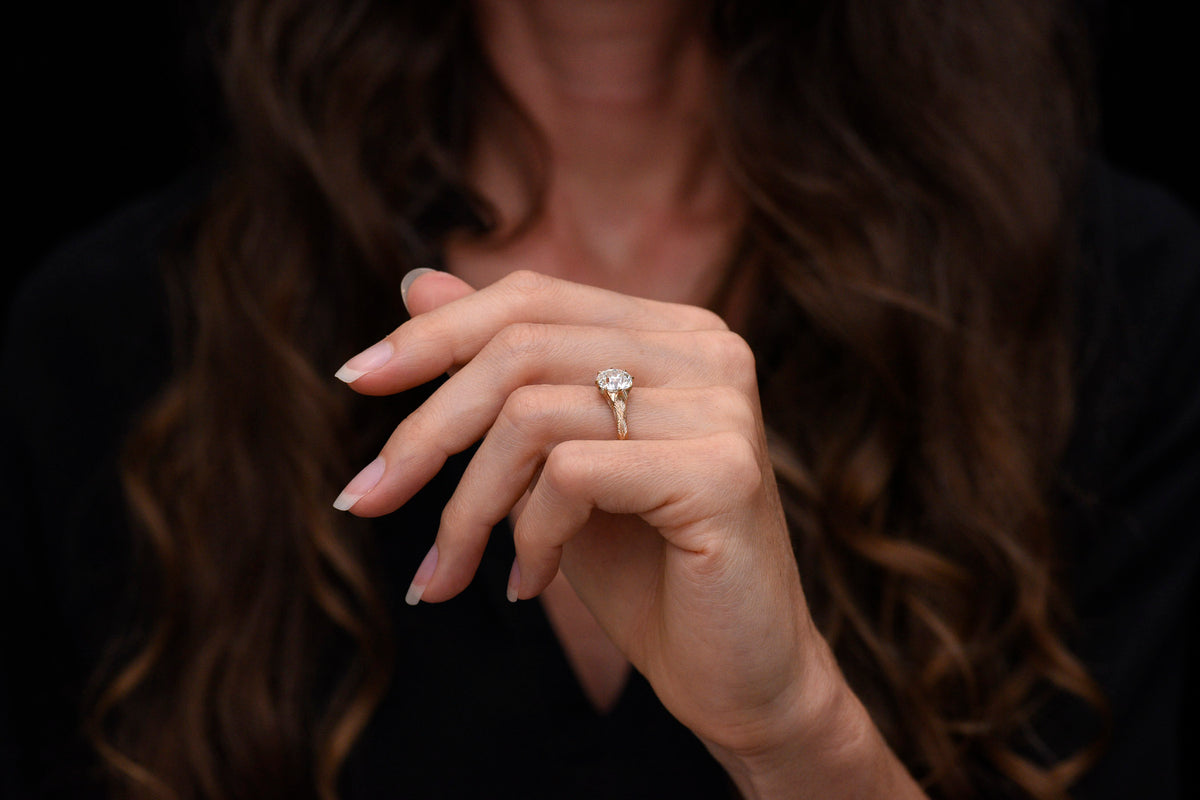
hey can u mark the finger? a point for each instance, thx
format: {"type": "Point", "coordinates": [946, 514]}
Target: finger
{"type": "Point", "coordinates": [452, 334]}
{"type": "Point", "coordinates": [534, 420]}
{"type": "Point", "coordinates": [694, 492]}
{"type": "Point", "coordinates": [421, 289]}
{"type": "Point", "coordinates": [426, 289]}
{"type": "Point", "coordinates": [461, 411]}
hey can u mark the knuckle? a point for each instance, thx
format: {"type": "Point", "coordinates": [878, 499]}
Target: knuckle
{"type": "Point", "coordinates": [524, 539]}
{"type": "Point", "coordinates": [453, 515]}
{"type": "Point", "coordinates": [736, 360]}
{"type": "Point", "coordinates": [526, 282]}
{"type": "Point", "coordinates": [729, 404]}
{"type": "Point", "coordinates": [520, 339]}
{"type": "Point", "coordinates": [435, 335]}
{"type": "Point", "coordinates": [704, 319]}
{"type": "Point", "coordinates": [424, 327]}
{"type": "Point", "coordinates": [742, 470]}
{"type": "Point", "coordinates": [567, 469]}
{"type": "Point", "coordinates": [525, 409]}
{"type": "Point", "coordinates": [423, 424]}
{"type": "Point", "coordinates": [414, 427]}
{"type": "Point", "coordinates": [735, 353]}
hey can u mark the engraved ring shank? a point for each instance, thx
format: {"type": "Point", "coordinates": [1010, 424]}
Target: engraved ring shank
{"type": "Point", "coordinates": [615, 384]}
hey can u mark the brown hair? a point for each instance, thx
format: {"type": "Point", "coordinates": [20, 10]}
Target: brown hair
{"type": "Point", "coordinates": [909, 167]}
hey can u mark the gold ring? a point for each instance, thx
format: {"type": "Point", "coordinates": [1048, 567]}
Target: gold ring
{"type": "Point", "coordinates": [614, 384]}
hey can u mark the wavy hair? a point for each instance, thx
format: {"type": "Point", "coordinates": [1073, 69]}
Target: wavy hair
{"type": "Point", "coordinates": [910, 170]}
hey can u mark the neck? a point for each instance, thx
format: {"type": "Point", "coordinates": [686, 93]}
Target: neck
{"type": "Point", "coordinates": [620, 94]}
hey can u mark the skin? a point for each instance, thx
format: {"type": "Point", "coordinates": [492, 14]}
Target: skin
{"type": "Point", "coordinates": [673, 542]}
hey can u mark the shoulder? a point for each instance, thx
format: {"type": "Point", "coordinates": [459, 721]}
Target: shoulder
{"type": "Point", "coordinates": [1133, 464]}
{"type": "Point", "coordinates": [89, 327]}
{"type": "Point", "coordinates": [87, 345]}
{"type": "Point", "coordinates": [1141, 273]}
{"type": "Point", "coordinates": [1134, 213]}
{"type": "Point", "coordinates": [1138, 307]}
{"type": "Point", "coordinates": [108, 265]}
{"type": "Point", "coordinates": [1133, 479]}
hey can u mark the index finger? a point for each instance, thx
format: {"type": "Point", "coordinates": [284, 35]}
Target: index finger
{"type": "Point", "coordinates": [451, 334]}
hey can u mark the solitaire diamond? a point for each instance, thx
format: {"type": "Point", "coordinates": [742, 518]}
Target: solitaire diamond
{"type": "Point", "coordinates": [614, 380]}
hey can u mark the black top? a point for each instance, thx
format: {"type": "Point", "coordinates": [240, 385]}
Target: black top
{"type": "Point", "coordinates": [484, 701]}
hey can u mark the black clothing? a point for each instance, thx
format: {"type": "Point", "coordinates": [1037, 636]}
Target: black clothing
{"type": "Point", "coordinates": [483, 695]}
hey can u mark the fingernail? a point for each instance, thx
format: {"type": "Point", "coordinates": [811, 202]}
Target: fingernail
{"type": "Point", "coordinates": [370, 359]}
{"type": "Point", "coordinates": [362, 483]}
{"type": "Point", "coordinates": [514, 582]}
{"type": "Point", "coordinates": [407, 280]}
{"type": "Point", "coordinates": [421, 579]}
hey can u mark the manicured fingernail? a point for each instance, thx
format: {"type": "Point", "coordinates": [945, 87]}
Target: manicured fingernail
{"type": "Point", "coordinates": [370, 359]}
{"type": "Point", "coordinates": [407, 280]}
{"type": "Point", "coordinates": [421, 579]}
{"type": "Point", "coordinates": [362, 483]}
{"type": "Point", "coordinates": [514, 582]}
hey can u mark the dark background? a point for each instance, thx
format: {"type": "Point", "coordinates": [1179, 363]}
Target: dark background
{"type": "Point", "coordinates": [111, 100]}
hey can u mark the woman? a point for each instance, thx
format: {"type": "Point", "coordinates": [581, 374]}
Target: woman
{"type": "Point", "coordinates": [832, 554]}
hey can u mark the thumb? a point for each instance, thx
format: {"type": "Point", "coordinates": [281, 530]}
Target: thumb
{"type": "Point", "coordinates": [425, 289]}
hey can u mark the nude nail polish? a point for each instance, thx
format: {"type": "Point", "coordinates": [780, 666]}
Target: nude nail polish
{"type": "Point", "coordinates": [424, 572]}
{"type": "Point", "coordinates": [362, 483]}
{"type": "Point", "coordinates": [514, 582]}
{"type": "Point", "coordinates": [368, 360]}
{"type": "Point", "coordinates": [408, 279]}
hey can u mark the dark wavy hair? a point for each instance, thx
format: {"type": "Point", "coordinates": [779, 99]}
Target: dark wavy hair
{"type": "Point", "coordinates": [910, 170]}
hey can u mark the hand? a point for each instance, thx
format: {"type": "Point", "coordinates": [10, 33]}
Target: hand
{"type": "Point", "coordinates": [674, 539]}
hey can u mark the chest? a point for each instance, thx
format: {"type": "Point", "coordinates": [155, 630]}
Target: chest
{"type": "Point", "coordinates": [600, 668]}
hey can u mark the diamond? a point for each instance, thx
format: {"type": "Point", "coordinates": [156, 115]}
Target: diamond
{"type": "Point", "coordinates": [614, 380]}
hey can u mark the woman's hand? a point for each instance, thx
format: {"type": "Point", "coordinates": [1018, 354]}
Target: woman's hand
{"type": "Point", "coordinates": [674, 539]}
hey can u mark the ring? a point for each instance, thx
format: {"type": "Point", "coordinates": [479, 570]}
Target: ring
{"type": "Point", "coordinates": [614, 384]}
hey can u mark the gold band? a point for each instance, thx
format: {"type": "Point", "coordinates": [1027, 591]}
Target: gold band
{"type": "Point", "coordinates": [617, 401]}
